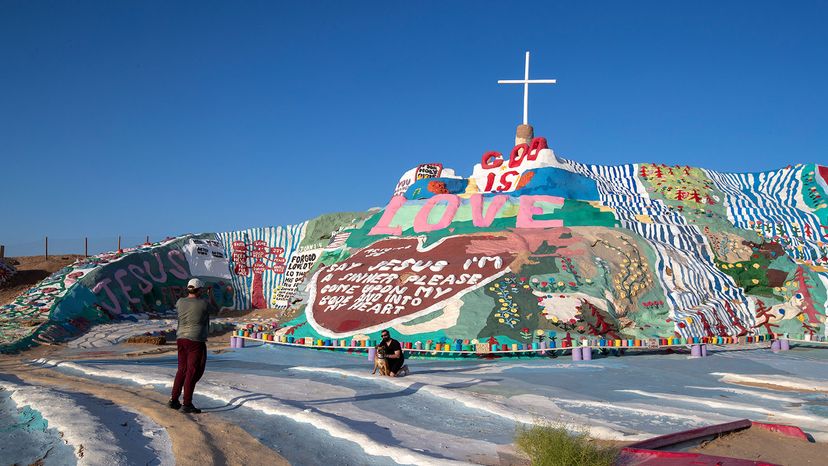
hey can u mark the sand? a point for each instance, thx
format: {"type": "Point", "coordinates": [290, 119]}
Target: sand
{"type": "Point", "coordinates": [762, 445]}
{"type": "Point", "coordinates": [30, 271]}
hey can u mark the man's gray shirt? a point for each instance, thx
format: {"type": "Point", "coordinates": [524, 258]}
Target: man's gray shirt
{"type": "Point", "coordinates": [193, 319]}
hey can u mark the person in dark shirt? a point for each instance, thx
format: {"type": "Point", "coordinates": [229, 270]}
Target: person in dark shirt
{"type": "Point", "coordinates": [394, 355]}
{"type": "Point", "coordinates": [193, 329]}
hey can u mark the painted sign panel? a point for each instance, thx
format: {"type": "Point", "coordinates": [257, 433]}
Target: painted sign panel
{"type": "Point", "coordinates": [207, 258]}
{"type": "Point", "coordinates": [299, 265]}
{"type": "Point", "coordinates": [395, 280]}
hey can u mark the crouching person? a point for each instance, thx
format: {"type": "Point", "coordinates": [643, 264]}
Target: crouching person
{"type": "Point", "coordinates": [393, 355]}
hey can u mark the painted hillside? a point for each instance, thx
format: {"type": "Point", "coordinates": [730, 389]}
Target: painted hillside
{"type": "Point", "coordinates": [529, 246]}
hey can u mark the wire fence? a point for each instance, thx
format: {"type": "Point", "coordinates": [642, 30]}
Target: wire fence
{"type": "Point", "coordinates": [52, 246]}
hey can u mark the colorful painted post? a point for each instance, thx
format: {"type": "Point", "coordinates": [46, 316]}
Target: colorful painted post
{"type": "Point", "coordinates": [586, 353]}
{"type": "Point", "coordinates": [240, 342]}
{"type": "Point", "coordinates": [695, 351]}
{"type": "Point", "coordinates": [784, 344]}
{"type": "Point", "coordinates": [775, 346]}
{"type": "Point", "coordinates": [704, 350]}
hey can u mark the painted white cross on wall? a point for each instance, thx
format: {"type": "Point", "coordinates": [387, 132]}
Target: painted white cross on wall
{"type": "Point", "coordinates": [526, 82]}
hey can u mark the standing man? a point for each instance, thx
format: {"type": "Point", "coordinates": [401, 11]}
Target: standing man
{"type": "Point", "coordinates": [394, 355]}
{"type": "Point", "coordinates": [193, 328]}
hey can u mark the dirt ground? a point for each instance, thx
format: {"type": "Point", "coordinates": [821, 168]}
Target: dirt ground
{"type": "Point", "coordinates": [31, 270]}
{"type": "Point", "coordinates": [762, 445]}
{"type": "Point", "coordinates": [196, 439]}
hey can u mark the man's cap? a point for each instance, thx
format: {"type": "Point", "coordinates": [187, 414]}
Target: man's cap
{"type": "Point", "coordinates": [195, 283]}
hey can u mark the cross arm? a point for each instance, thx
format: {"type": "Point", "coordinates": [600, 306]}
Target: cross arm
{"type": "Point", "coordinates": [524, 81]}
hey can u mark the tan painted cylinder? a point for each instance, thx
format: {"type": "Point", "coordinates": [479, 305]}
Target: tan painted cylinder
{"type": "Point", "coordinates": [524, 134]}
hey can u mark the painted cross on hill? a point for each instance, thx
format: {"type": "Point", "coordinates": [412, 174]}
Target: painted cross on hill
{"type": "Point", "coordinates": [257, 257]}
{"type": "Point", "coordinates": [526, 82]}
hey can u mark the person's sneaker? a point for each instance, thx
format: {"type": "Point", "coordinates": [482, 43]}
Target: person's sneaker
{"type": "Point", "coordinates": [174, 404]}
{"type": "Point", "coordinates": [190, 409]}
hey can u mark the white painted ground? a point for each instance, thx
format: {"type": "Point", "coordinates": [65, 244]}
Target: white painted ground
{"type": "Point", "coordinates": [73, 428]}
{"type": "Point", "coordinates": [321, 407]}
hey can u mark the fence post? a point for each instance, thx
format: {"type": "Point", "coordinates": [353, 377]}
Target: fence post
{"type": "Point", "coordinates": [119, 243]}
{"type": "Point", "coordinates": [85, 246]}
{"type": "Point", "coordinates": [2, 251]}
{"type": "Point", "coordinates": [47, 247]}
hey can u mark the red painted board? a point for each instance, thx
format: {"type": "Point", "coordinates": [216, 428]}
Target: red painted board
{"type": "Point", "coordinates": [643, 457]}
{"type": "Point", "coordinates": [687, 435]}
{"type": "Point", "coordinates": [790, 431]}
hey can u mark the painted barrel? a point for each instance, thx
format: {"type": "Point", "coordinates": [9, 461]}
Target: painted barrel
{"type": "Point", "coordinates": [586, 353]}
{"type": "Point", "coordinates": [576, 354]}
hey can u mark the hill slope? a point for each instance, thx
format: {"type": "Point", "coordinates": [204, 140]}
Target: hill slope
{"type": "Point", "coordinates": [529, 247]}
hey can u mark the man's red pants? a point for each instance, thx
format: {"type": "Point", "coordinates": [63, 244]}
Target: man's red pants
{"type": "Point", "coordinates": [192, 357]}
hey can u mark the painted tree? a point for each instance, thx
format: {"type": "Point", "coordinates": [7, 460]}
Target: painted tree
{"type": "Point", "coordinates": [257, 257]}
{"type": "Point", "coordinates": [734, 319]}
{"type": "Point", "coordinates": [808, 302]}
{"type": "Point", "coordinates": [763, 317]}
{"type": "Point", "coordinates": [596, 321]}
{"type": "Point", "coordinates": [705, 324]}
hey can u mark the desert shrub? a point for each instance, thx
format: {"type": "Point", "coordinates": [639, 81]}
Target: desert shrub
{"type": "Point", "coordinates": [550, 445]}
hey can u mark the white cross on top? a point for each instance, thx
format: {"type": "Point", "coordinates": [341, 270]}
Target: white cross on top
{"type": "Point", "coordinates": [526, 82]}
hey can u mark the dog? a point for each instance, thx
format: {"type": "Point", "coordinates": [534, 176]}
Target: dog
{"type": "Point", "coordinates": [380, 363]}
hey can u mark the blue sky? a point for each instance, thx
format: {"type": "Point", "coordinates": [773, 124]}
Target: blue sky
{"type": "Point", "coordinates": [160, 118]}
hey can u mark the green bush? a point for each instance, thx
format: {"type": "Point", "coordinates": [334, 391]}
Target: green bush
{"type": "Point", "coordinates": [548, 445]}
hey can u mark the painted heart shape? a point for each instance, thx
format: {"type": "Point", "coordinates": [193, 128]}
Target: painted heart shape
{"type": "Point", "coordinates": [395, 280]}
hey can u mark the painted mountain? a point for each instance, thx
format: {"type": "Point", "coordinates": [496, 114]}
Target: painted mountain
{"type": "Point", "coordinates": [529, 246]}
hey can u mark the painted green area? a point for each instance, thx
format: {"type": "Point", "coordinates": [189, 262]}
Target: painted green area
{"type": "Point", "coordinates": [319, 230]}
{"type": "Point", "coordinates": [690, 192]}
